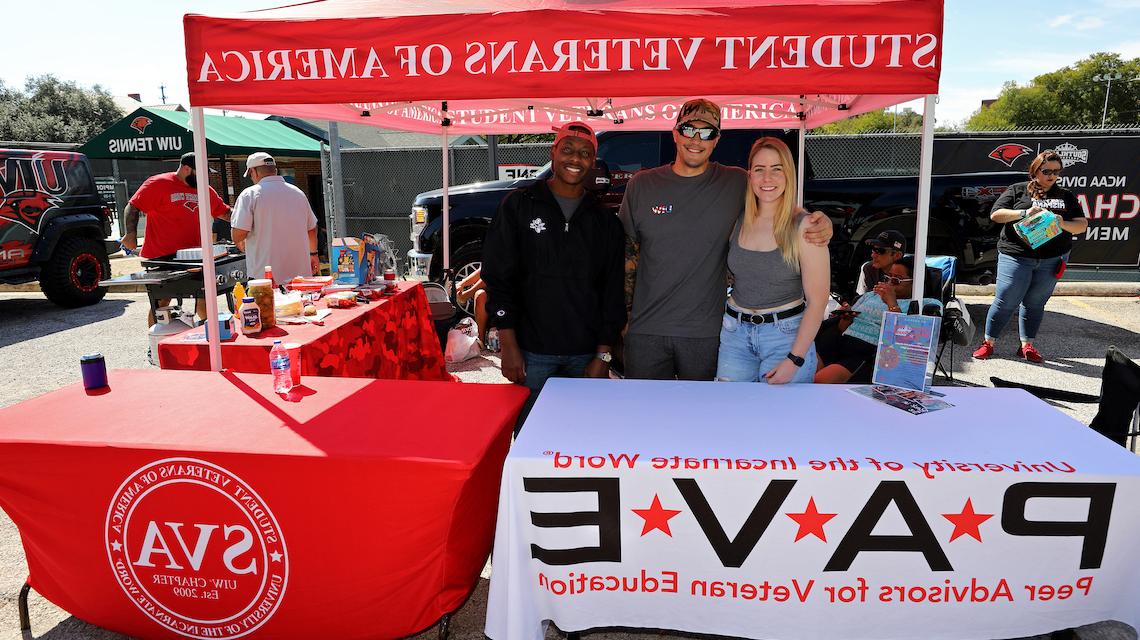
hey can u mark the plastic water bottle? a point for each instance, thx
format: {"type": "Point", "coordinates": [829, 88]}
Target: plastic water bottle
{"type": "Point", "coordinates": [280, 366]}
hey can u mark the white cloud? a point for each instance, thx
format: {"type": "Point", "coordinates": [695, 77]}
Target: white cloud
{"type": "Point", "coordinates": [1089, 22]}
{"type": "Point", "coordinates": [1128, 50]}
{"type": "Point", "coordinates": [1061, 20]}
{"type": "Point", "coordinates": [1122, 4]}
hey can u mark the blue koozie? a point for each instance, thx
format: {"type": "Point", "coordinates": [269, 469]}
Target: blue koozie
{"type": "Point", "coordinates": [94, 371]}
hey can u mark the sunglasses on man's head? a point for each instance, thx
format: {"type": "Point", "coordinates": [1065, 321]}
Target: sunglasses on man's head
{"type": "Point", "coordinates": [705, 133]}
{"type": "Point", "coordinates": [1050, 172]}
{"type": "Point", "coordinates": [894, 281]}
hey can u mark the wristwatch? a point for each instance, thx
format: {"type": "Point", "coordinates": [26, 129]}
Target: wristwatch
{"type": "Point", "coordinates": [796, 360]}
{"type": "Point", "coordinates": [604, 356]}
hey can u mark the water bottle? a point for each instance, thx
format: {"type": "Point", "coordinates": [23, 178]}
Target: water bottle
{"type": "Point", "coordinates": [493, 339]}
{"type": "Point", "coordinates": [279, 365]}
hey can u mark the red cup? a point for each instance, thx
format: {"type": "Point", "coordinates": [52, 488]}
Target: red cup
{"type": "Point", "coordinates": [294, 350]}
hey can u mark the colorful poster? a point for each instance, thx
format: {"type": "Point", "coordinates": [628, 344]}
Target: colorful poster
{"type": "Point", "coordinates": [907, 349]}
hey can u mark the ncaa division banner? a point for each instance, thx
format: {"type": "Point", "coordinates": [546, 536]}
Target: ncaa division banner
{"type": "Point", "coordinates": [1103, 171]}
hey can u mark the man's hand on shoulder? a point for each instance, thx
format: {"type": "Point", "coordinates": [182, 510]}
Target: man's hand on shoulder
{"type": "Point", "coordinates": [819, 229]}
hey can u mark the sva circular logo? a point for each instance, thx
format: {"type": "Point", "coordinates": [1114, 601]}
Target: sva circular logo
{"type": "Point", "coordinates": [196, 549]}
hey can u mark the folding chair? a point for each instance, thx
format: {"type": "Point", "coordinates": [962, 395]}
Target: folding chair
{"type": "Point", "coordinates": [442, 309]}
{"type": "Point", "coordinates": [1118, 416]}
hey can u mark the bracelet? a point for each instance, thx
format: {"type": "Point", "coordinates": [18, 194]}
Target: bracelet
{"type": "Point", "coordinates": [313, 253]}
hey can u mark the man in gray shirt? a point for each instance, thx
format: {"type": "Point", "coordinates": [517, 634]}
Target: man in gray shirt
{"type": "Point", "coordinates": [678, 219]}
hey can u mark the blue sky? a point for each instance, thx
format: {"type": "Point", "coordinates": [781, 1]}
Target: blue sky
{"type": "Point", "coordinates": [133, 46]}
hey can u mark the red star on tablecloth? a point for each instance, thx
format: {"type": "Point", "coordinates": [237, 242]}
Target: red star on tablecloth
{"type": "Point", "coordinates": [656, 517]}
{"type": "Point", "coordinates": [811, 521]}
{"type": "Point", "coordinates": [967, 522]}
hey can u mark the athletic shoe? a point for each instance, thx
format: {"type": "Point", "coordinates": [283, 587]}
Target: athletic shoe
{"type": "Point", "coordinates": [984, 352]}
{"type": "Point", "coordinates": [1029, 353]}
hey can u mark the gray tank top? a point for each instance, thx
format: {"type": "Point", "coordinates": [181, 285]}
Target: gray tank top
{"type": "Point", "coordinates": [761, 279]}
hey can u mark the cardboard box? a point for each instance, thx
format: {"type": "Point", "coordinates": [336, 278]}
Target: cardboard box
{"type": "Point", "coordinates": [355, 261]}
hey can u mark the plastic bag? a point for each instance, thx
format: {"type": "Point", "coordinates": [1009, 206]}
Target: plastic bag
{"type": "Point", "coordinates": [958, 320]}
{"type": "Point", "coordinates": [462, 341]}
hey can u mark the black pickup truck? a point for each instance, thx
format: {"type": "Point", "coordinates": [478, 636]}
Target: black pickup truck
{"type": "Point", "coordinates": [860, 208]}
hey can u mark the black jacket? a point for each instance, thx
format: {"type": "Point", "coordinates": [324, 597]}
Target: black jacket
{"type": "Point", "coordinates": [558, 284]}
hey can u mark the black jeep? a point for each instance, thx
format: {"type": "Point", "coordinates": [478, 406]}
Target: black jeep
{"type": "Point", "coordinates": [52, 225]}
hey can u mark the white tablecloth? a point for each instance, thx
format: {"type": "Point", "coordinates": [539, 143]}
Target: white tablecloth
{"type": "Point", "coordinates": [805, 511]}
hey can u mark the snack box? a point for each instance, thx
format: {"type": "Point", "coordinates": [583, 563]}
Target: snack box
{"type": "Point", "coordinates": [355, 261]}
{"type": "Point", "coordinates": [315, 283]}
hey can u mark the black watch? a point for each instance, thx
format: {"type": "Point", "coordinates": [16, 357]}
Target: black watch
{"type": "Point", "coordinates": [796, 360]}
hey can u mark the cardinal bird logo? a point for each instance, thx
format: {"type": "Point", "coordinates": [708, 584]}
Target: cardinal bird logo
{"type": "Point", "coordinates": [26, 207]}
{"type": "Point", "coordinates": [141, 123]}
{"type": "Point", "coordinates": [1010, 152]}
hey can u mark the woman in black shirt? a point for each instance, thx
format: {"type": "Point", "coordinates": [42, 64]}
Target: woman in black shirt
{"type": "Point", "coordinates": [1026, 275]}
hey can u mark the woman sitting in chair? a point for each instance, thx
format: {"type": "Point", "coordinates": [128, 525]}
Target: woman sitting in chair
{"type": "Point", "coordinates": [849, 355]}
{"type": "Point", "coordinates": [472, 288]}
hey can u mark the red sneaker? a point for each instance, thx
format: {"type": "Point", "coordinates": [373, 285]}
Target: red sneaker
{"type": "Point", "coordinates": [1029, 353]}
{"type": "Point", "coordinates": [983, 352]}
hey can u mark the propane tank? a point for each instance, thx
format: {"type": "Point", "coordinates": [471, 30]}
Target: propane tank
{"type": "Point", "coordinates": [167, 322]}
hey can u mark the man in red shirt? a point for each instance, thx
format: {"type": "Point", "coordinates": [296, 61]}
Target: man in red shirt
{"type": "Point", "coordinates": [170, 202]}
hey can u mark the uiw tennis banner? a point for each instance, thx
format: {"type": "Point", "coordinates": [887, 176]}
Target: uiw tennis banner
{"type": "Point", "coordinates": [809, 512]}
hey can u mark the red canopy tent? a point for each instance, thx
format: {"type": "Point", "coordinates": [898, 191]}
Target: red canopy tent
{"type": "Point", "coordinates": [486, 66]}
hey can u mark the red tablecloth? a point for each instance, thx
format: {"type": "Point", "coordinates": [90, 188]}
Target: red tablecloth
{"type": "Point", "coordinates": [389, 338]}
{"type": "Point", "coordinates": [203, 505]}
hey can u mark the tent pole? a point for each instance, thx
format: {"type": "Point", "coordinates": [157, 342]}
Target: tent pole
{"type": "Point", "coordinates": [205, 220]}
{"type": "Point", "coordinates": [801, 162]}
{"type": "Point", "coordinates": [446, 203]}
{"type": "Point", "coordinates": [922, 225]}
{"type": "Point", "coordinates": [337, 175]}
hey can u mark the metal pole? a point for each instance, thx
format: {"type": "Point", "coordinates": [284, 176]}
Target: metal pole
{"type": "Point", "coordinates": [1107, 90]}
{"type": "Point", "coordinates": [802, 163]}
{"type": "Point", "coordinates": [922, 225]}
{"type": "Point", "coordinates": [337, 183]}
{"type": "Point", "coordinates": [493, 156]}
{"type": "Point", "coordinates": [446, 203]}
{"type": "Point", "coordinates": [205, 220]}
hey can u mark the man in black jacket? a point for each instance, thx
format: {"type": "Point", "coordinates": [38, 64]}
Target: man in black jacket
{"type": "Point", "coordinates": [554, 269]}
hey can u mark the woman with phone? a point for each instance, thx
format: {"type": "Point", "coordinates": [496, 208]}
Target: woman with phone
{"type": "Point", "coordinates": [780, 281]}
{"type": "Point", "coordinates": [1029, 261]}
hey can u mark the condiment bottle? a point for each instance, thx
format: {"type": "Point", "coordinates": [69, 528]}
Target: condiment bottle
{"type": "Point", "coordinates": [250, 315]}
{"type": "Point", "coordinates": [269, 275]}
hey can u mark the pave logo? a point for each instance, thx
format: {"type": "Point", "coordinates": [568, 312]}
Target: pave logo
{"type": "Point", "coordinates": [196, 549]}
{"type": "Point", "coordinates": [1071, 155]}
{"type": "Point", "coordinates": [538, 225]}
{"type": "Point", "coordinates": [1009, 152]}
{"type": "Point", "coordinates": [30, 187]}
{"type": "Point", "coordinates": [662, 209]}
{"type": "Point", "coordinates": [141, 123]}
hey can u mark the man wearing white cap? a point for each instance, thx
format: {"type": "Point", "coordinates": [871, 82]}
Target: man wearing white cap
{"type": "Point", "coordinates": [274, 224]}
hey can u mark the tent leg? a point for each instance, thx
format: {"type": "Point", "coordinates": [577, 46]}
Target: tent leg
{"type": "Point", "coordinates": [205, 224]}
{"type": "Point", "coordinates": [22, 605]}
{"type": "Point", "coordinates": [447, 276]}
{"type": "Point", "coordinates": [922, 224]}
{"type": "Point", "coordinates": [336, 174]}
{"type": "Point", "coordinates": [801, 164]}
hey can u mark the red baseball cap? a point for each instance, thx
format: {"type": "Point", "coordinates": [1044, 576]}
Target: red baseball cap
{"type": "Point", "coordinates": [577, 129]}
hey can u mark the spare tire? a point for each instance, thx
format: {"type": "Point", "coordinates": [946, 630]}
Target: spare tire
{"type": "Point", "coordinates": [71, 278]}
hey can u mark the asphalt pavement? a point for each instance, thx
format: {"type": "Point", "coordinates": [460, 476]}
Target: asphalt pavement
{"type": "Point", "coordinates": [40, 346]}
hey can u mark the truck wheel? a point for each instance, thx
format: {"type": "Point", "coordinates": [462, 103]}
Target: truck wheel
{"type": "Point", "coordinates": [467, 260]}
{"type": "Point", "coordinates": [71, 278]}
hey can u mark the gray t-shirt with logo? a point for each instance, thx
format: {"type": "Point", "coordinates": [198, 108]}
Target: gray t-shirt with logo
{"type": "Point", "coordinates": [683, 225]}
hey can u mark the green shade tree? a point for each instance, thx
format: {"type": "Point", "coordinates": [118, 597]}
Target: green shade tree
{"type": "Point", "coordinates": [53, 110]}
{"type": "Point", "coordinates": [1067, 96]}
{"type": "Point", "coordinates": [907, 121]}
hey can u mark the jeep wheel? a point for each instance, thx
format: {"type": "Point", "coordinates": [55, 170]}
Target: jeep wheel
{"type": "Point", "coordinates": [467, 260]}
{"type": "Point", "coordinates": [71, 278]}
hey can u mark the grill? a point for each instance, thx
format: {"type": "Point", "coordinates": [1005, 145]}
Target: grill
{"type": "Point", "coordinates": [177, 279]}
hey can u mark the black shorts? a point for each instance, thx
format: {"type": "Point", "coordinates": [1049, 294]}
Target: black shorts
{"type": "Point", "coordinates": [856, 356]}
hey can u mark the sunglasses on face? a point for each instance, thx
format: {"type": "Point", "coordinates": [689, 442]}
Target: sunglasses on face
{"type": "Point", "coordinates": [1050, 172]}
{"type": "Point", "coordinates": [705, 133]}
{"type": "Point", "coordinates": [879, 251]}
{"type": "Point", "coordinates": [894, 281]}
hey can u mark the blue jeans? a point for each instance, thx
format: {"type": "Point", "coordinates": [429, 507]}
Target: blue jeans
{"type": "Point", "coordinates": [748, 351]}
{"type": "Point", "coordinates": [540, 367]}
{"type": "Point", "coordinates": [1026, 283]}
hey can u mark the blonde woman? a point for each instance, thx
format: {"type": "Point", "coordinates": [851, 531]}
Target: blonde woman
{"type": "Point", "coordinates": [780, 281]}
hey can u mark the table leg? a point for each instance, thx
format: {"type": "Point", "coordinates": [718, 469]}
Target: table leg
{"type": "Point", "coordinates": [22, 605]}
{"type": "Point", "coordinates": [445, 626]}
